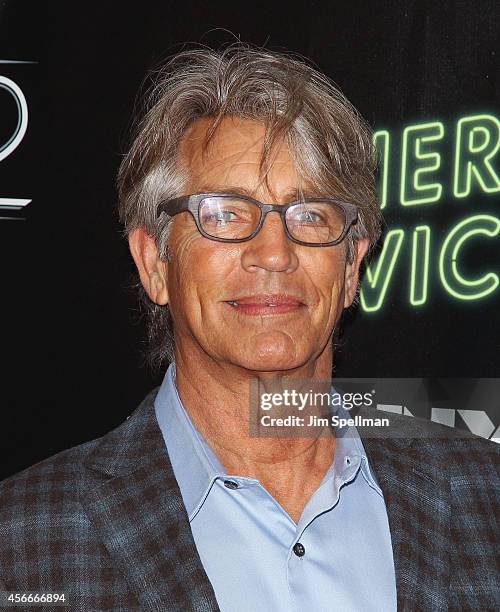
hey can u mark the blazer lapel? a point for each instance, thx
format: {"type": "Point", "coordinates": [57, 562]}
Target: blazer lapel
{"type": "Point", "coordinates": [137, 508]}
{"type": "Point", "coordinates": [417, 496]}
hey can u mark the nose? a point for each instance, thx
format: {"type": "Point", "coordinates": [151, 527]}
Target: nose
{"type": "Point", "coordinates": [271, 249]}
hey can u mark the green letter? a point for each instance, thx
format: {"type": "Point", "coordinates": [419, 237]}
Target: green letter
{"type": "Point", "coordinates": [414, 190]}
{"type": "Point", "coordinates": [375, 284]}
{"type": "Point", "coordinates": [451, 278]}
{"type": "Point", "coordinates": [381, 142]}
{"type": "Point", "coordinates": [420, 263]}
{"type": "Point", "coordinates": [478, 140]}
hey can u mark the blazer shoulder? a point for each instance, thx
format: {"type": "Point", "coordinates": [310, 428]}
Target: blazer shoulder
{"type": "Point", "coordinates": [462, 452]}
{"type": "Point", "coordinates": [59, 481]}
{"type": "Point", "coordinates": [455, 451]}
{"type": "Point", "coordinates": [61, 471]}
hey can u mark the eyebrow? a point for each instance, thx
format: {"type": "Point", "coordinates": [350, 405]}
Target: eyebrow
{"type": "Point", "coordinates": [290, 196]}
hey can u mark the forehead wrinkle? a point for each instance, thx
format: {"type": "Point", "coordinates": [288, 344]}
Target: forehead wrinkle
{"type": "Point", "coordinates": [194, 151]}
{"type": "Point", "coordinates": [295, 194]}
{"type": "Point", "coordinates": [210, 140]}
{"type": "Point", "coordinates": [250, 189]}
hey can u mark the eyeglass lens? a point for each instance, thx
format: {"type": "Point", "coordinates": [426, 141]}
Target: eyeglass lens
{"type": "Point", "coordinates": [232, 219]}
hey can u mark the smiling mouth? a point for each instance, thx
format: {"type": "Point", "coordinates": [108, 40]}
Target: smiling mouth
{"type": "Point", "coordinates": [266, 304]}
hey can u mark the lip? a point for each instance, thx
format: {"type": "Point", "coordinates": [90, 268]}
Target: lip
{"type": "Point", "coordinates": [266, 304]}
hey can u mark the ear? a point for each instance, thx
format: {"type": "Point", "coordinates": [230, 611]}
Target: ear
{"type": "Point", "coordinates": [152, 270]}
{"type": "Point", "coordinates": [352, 271]}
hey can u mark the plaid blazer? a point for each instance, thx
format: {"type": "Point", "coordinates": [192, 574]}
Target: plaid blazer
{"type": "Point", "coordinates": [105, 523]}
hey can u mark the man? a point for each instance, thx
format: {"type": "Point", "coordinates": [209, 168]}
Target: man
{"type": "Point", "coordinates": [182, 507]}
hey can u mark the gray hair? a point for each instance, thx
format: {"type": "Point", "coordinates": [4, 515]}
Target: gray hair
{"type": "Point", "coordinates": [328, 140]}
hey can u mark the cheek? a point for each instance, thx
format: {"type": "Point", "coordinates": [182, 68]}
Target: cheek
{"type": "Point", "coordinates": [201, 270]}
{"type": "Point", "coordinates": [327, 274]}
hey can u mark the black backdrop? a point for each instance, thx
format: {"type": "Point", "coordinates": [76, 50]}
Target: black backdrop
{"type": "Point", "coordinates": [70, 359]}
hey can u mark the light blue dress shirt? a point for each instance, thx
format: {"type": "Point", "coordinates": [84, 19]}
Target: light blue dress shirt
{"type": "Point", "coordinates": [339, 555]}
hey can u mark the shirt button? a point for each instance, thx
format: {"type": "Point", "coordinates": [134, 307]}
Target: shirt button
{"type": "Point", "coordinates": [299, 549]}
{"type": "Point", "coordinates": [230, 484]}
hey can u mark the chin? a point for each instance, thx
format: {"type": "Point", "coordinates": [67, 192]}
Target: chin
{"type": "Point", "coordinates": [271, 354]}
{"type": "Point", "coordinates": [267, 366]}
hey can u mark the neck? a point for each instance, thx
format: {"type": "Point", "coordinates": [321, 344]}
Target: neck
{"type": "Point", "coordinates": [216, 395]}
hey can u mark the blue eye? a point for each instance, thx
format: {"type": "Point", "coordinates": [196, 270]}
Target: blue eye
{"type": "Point", "coordinates": [308, 216]}
{"type": "Point", "coordinates": [220, 217]}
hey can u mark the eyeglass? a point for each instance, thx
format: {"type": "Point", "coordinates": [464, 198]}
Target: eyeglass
{"type": "Point", "coordinates": [234, 218]}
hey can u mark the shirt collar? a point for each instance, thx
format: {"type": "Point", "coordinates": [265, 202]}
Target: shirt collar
{"type": "Point", "coordinates": [196, 466]}
{"type": "Point", "coordinates": [349, 450]}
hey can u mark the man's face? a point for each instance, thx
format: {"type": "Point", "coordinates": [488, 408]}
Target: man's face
{"type": "Point", "coordinates": [267, 304]}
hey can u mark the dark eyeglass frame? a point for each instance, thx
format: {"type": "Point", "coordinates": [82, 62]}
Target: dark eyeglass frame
{"type": "Point", "coordinates": [192, 203]}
